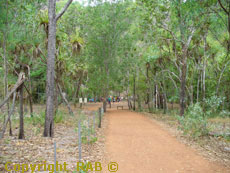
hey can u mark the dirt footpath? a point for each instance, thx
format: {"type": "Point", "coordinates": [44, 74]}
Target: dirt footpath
{"type": "Point", "coordinates": [138, 144]}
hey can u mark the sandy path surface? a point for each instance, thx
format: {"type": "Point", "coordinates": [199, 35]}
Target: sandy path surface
{"type": "Point", "coordinates": [138, 144]}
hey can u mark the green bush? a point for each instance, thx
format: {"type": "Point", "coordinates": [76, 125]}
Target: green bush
{"type": "Point", "coordinates": [224, 114]}
{"type": "Point", "coordinates": [213, 105]}
{"type": "Point", "coordinates": [194, 123]}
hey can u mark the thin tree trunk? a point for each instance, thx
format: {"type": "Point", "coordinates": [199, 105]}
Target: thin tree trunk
{"type": "Point", "coordinates": [139, 102]}
{"type": "Point", "coordinates": [5, 61]}
{"type": "Point", "coordinates": [198, 88]}
{"type": "Point", "coordinates": [151, 98]}
{"type": "Point", "coordinates": [30, 94]}
{"type": "Point", "coordinates": [21, 80]}
{"type": "Point", "coordinates": [183, 83]}
{"type": "Point", "coordinates": [165, 107]}
{"type": "Point", "coordinates": [78, 87]}
{"type": "Point", "coordinates": [21, 129]}
{"type": "Point", "coordinates": [184, 44]}
{"type": "Point", "coordinates": [221, 75]}
{"type": "Point", "coordinates": [191, 94]}
{"type": "Point", "coordinates": [65, 100]}
{"type": "Point", "coordinates": [30, 100]}
{"type": "Point", "coordinates": [10, 128]}
{"type": "Point", "coordinates": [134, 92]}
{"type": "Point", "coordinates": [204, 73]}
{"type": "Point", "coordinates": [9, 117]}
{"type": "Point", "coordinates": [95, 98]}
{"type": "Point", "coordinates": [128, 98]}
{"type": "Point", "coordinates": [104, 104]}
{"type": "Point", "coordinates": [156, 97]}
{"type": "Point", "coordinates": [148, 86]}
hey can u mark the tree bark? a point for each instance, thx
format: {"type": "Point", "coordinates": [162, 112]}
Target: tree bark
{"type": "Point", "coordinates": [156, 97]}
{"type": "Point", "coordinates": [21, 80]}
{"type": "Point", "coordinates": [148, 86]}
{"type": "Point", "coordinates": [5, 62]}
{"type": "Point", "coordinates": [183, 83]}
{"type": "Point", "coordinates": [134, 92]}
{"type": "Point", "coordinates": [21, 129]}
{"type": "Point", "coordinates": [9, 117]}
{"type": "Point", "coordinates": [56, 104]}
{"type": "Point", "coordinates": [128, 98]}
{"type": "Point", "coordinates": [48, 130]}
{"type": "Point", "coordinates": [204, 74]}
{"type": "Point", "coordinates": [139, 102]}
{"type": "Point", "coordinates": [65, 100]}
{"type": "Point", "coordinates": [30, 100]}
{"type": "Point", "coordinates": [198, 87]}
{"type": "Point", "coordinates": [184, 44]}
{"type": "Point", "coordinates": [164, 95]}
{"type": "Point", "coordinates": [50, 83]}
{"type": "Point", "coordinates": [30, 93]}
{"type": "Point", "coordinates": [78, 87]}
{"type": "Point", "coordinates": [104, 104]}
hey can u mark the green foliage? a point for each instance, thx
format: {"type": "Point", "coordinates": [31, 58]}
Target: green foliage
{"type": "Point", "coordinates": [102, 47]}
{"type": "Point", "coordinates": [59, 117]}
{"type": "Point", "coordinates": [87, 132]}
{"type": "Point", "coordinates": [213, 106]}
{"type": "Point", "coordinates": [224, 113]}
{"type": "Point", "coordinates": [37, 119]}
{"type": "Point", "coordinates": [194, 123]}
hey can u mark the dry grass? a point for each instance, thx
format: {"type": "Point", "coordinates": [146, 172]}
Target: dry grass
{"type": "Point", "coordinates": [36, 149]}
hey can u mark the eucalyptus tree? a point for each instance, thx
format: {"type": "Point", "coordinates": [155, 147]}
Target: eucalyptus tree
{"type": "Point", "coordinates": [51, 50]}
{"type": "Point", "coordinates": [180, 20]}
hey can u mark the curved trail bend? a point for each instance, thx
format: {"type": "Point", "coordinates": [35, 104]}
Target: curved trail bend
{"type": "Point", "coordinates": [140, 145]}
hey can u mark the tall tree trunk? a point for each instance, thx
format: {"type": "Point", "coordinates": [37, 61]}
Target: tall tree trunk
{"type": "Point", "coordinates": [148, 86]}
{"type": "Point", "coordinates": [164, 96]}
{"type": "Point", "coordinates": [105, 104]}
{"type": "Point", "coordinates": [139, 102]}
{"type": "Point", "coordinates": [186, 40]}
{"type": "Point", "coordinates": [30, 95]}
{"type": "Point", "coordinates": [49, 122]}
{"type": "Point", "coordinates": [183, 83]}
{"type": "Point", "coordinates": [134, 92]}
{"type": "Point", "coordinates": [204, 74]}
{"type": "Point", "coordinates": [156, 96]}
{"type": "Point", "coordinates": [21, 129]}
{"type": "Point", "coordinates": [48, 130]}
{"type": "Point", "coordinates": [128, 98]}
{"type": "Point", "coordinates": [198, 87]}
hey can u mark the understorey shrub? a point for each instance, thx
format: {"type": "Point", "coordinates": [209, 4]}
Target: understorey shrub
{"type": "Point", "coordinates": [194, 122]}
{"type": "Point", "coordinates": [213, 106]}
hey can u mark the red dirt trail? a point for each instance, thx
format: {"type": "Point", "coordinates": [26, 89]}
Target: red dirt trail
{"type": "Point", "coordinates": [140, 145]}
